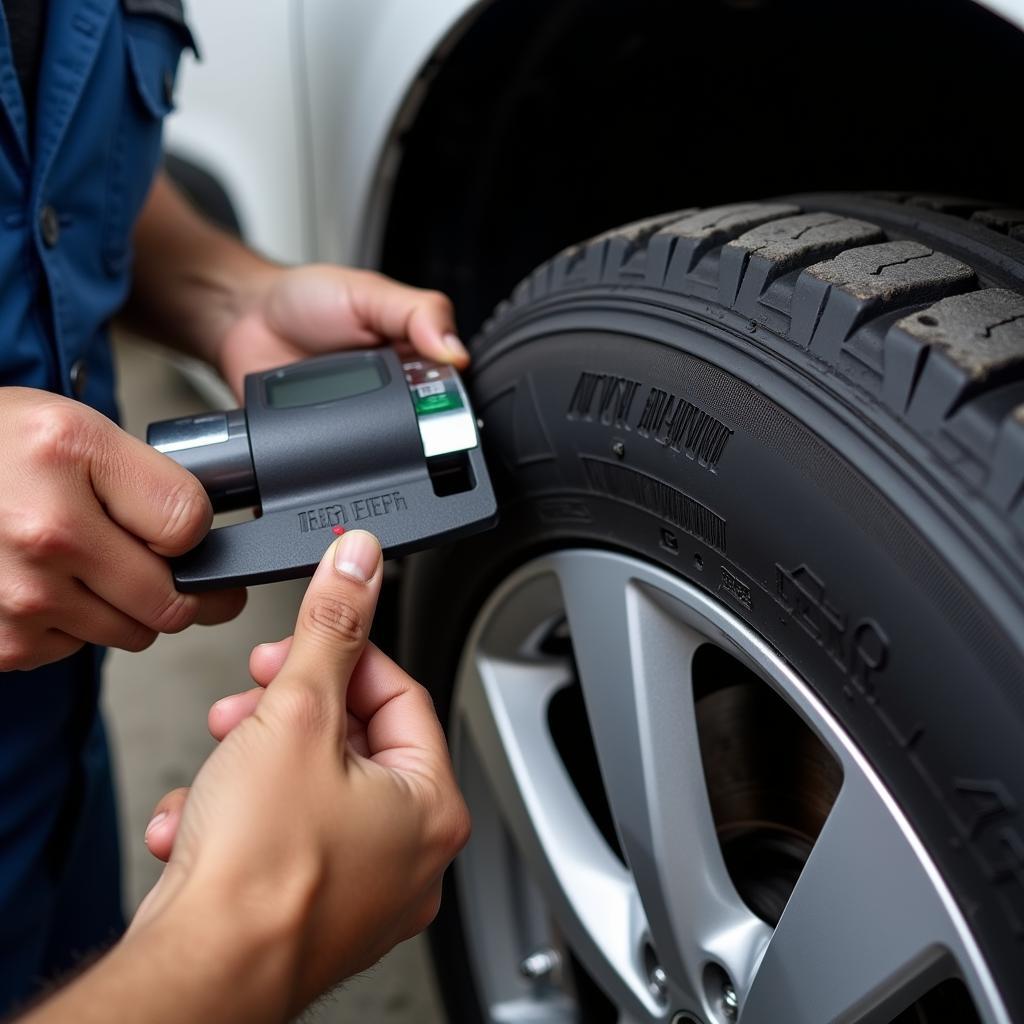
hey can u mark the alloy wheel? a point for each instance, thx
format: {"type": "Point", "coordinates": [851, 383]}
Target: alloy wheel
{"type": "Point", "coordinates": [702, 842]}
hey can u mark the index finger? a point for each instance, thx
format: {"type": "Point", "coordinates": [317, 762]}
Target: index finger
{"type": "Point", "coordinates": [400, 312]}
{"type": "Point", "coordinates": [334, 620]}
{"type": "Point", "coordinates": [149, 494]}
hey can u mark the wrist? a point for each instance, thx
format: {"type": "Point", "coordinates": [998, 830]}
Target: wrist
{"type": "Point", "coordinates": [194, 960]}
{"type": "Point", "coordinates": [229, 960]}
{"type": "Point", "coordinates": [236, 290]}
{"type": "Point", "coordinates": [224, 289]}
{"type": "Point", "coordinates": [192, 280]}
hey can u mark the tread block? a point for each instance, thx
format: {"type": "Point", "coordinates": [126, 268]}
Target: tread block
{"type": "Point", "coordinates": [751, 262]}
{"type": "Point", "coordinates": [619, 253]}
{"type": "Point", "coordinates": [1006, 222]}
{"type": "Point", "coordinates": [626, 256]}
{"type": "Point", "coordinates": [939, 356]}
{"type": "Point", "coordinates": [675, 250]}
{"type": "Point", "coordinates": [833, 298]}
{"type": "Point", "coordinates": [578, 266]}
{"type": "Point", "coordinates": [958, 206]}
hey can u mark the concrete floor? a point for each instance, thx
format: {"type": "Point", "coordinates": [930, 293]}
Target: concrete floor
{"type": "Point", "coordinates": [156, 705]}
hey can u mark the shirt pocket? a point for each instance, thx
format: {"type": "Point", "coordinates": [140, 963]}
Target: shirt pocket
{"type": "Point", "coordinates": [155, 34]}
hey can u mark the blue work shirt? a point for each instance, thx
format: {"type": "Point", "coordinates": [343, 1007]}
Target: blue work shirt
{"type": "Point", "coordinates": [70, 191]}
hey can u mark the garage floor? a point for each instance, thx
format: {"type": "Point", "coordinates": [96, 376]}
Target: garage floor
{"type": "Point", "coordinates": [156, 709]}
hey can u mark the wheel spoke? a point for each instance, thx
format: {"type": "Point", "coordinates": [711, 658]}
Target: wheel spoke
{"type": "Point", "coordinates": [530, 1011]}
{"type": "Point", "coordinates": [864, 933]}
{"type": "Point", "coordinates": [503, 704]}
{"type": "Point", "coordinates": [634, 655]}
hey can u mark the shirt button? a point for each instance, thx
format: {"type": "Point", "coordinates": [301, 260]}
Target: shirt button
{"type": "Point", "coordinates": [49, 226]}
{"type": "Point", "coordinates": [79, 377]}
{"type": "Point", "coordinates": [169, 87]}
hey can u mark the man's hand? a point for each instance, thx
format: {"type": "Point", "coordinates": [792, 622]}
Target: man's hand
{"type": "Point", "coordinates": [288, 314]}
{"type": "Point", "coordinates": [202, 291]}
{"type": "Point", "coordinates": [317, 833]}
{"type": "Point", "coordinates": [88, 515]}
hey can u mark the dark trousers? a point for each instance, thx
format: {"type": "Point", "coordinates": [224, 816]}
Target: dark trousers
{"type": "Point", "coordinates": [60, 899]}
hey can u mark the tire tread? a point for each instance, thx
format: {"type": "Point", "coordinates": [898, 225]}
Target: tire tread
{"type": "Point", "coordinates": [939, 328]}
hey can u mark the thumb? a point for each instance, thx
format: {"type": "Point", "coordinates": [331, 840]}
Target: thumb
{"type": "Point", "coordinates": [333, 625]}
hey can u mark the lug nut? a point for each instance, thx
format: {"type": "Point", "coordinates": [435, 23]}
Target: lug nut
{"type": "Point", "coordinates": [730, 1004]}
{"type": "Point", "coordinates": [659, 982]}
{"type": "Point", "coordinates": [540, 964]}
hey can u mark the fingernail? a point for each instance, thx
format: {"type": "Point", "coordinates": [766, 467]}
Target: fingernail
{"type": "Point", "coordinates": [157, 819]}
{"type": "Point", "coordinates": [357, 555]}
{"type": "Point", "coordinates": [454, 346]}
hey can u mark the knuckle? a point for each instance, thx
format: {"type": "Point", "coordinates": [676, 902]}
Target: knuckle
{"type": "Point", "coordinates": [138, 639]}
{"type": "Point", "coordinates": [437, 297]}
{"type": "Point", "coordinates": [186, 515]}
{"type": "Point", "coordinates": [459, 828]}
{"type": "Point", "coordinates": [26, 599]}
{"type": "Point", "coordinates": [54, 433]}
{"type": "Point", "coordinates": [427, 912]}
{"type": "Point", "coordinates": [336, 620]}
{"type": "Point", "coordinates": [424, 697]}
{"type": "Point", "coordinates": [14, 655]}
{"type": "Point", "coordinates": [46, 536]}
{"type": "Point", "coordinates": [439, 301]}
{"type": "Point", "coordinates": [425, 701]}
{"type": "Point", "coordinates": [177, 612]}
{"type": "Point", "coordinates": [21, 651]}
{"type": "Point", "coordinates": [451, 824]}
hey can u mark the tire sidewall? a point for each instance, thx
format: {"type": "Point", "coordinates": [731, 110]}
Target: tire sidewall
{"type": "Point", "coordinates": [802, 523]}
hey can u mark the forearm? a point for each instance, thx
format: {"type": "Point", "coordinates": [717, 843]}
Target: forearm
{"type": "Point", "coordinates": [191, 279]}
{"type": "Point", "coordinates": [190, 964]}
{"type": "Point", "coordinates": [202, 291]}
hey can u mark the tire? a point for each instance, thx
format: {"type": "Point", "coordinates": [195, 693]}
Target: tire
{"type": "Point", "coordinates": [810, 413]}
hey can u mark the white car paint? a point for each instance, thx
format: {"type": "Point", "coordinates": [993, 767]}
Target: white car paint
{"type": "Point", "coordinates": [357, 93]}
{"type": "Point", "coordinates": [291, 108]}
{"type": "Point", "coordinates": [294, 104]}
{"type": "Point", "coordinates": [237, 117]}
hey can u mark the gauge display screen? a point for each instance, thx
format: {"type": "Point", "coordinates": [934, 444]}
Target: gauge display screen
{"type": "Point", "coordinates": [309, 386]}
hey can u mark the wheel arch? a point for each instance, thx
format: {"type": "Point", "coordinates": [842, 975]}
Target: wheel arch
{"type": "Point", "coordinates": [452, 200]}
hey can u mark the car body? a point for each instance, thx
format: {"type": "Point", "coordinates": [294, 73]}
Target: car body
{"type": "Point", "coordinates": [334, 81]}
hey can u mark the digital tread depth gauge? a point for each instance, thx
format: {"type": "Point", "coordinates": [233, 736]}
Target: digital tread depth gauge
{"type": "Point", "coordinates": [352, 440]}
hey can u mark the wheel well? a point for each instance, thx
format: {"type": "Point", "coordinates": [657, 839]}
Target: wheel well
{"type": "Point", "coordinates": [551, 120]}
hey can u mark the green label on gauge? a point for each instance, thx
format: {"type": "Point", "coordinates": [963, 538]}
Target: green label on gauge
{"type": "Point", "coordinates": [438, 398]}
